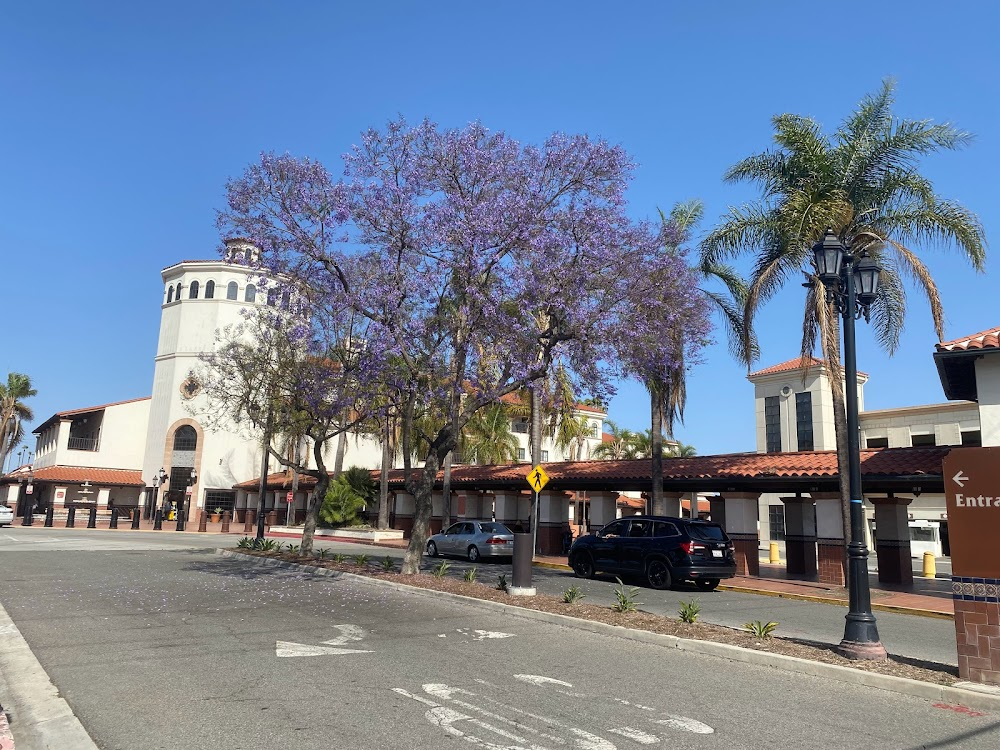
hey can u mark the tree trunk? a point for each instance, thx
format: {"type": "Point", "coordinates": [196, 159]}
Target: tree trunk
{"type": "Point", "coordinates": [338, 462]}
{"type": "Point", "coordinates": [316, 501]}
{"type": "Point", "coordinates": [383, 497]}
{"type": "Point", "coordinates": [656, 447]}
{"type": "Point", "coordinates": [446, 491]}
{"type": "Point", "coordinates": [422, 495]}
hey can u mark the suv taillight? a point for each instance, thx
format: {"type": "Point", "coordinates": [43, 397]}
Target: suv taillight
{"type": "Point", "coordinates": [690, 547]}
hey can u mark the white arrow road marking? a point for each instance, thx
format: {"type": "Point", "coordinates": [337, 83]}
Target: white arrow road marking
{"type": "Point", "coordinates": [537, 679]}
{"type": "Point", "coordinates": [960, 478]}
{"type": "Point", "coordinates": [287, 648]}
{"type": "Point", "coordinates": [348, 634]}
{"type": "Point", "coordinates": [481, 635]}
{"type": "Point", "coordinates": [444, 692]}
{"type": "Point", "coordinates": [636, 735]}
{"type": "Point", "coordinates": [686, 724]}
{"type": "Point", "coordinates": [585, 741]}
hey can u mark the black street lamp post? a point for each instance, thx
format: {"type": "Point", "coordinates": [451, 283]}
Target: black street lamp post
{"type": "Point", "coordinates": [184, 502]}
{"type": "Point", "coordinates": [158, 481]}
{"type": "Point", "coordinates": [852, 285]}
{"type": "Point", "coordinates": [28, 500]}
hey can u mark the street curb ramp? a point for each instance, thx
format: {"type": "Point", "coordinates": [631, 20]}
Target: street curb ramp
{"type": "Point", "coordinates": [970, 695]}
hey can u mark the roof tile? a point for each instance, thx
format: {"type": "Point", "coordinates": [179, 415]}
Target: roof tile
{"type": "Point", "coordinates": [988, 339]}
{"type": "Point", "coordinates": [80, 474]}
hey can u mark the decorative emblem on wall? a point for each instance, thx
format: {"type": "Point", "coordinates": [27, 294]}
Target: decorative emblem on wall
{"type": "Point", "coordinates": [190, 387]}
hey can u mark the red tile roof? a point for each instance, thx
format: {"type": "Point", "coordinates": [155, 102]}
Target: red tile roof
{"type": "Point", "coordinates": [512, 399]}
{"type": "Point", "coordinates": [884, 463]}
{"type": "Point", "coordinates": [280, 481]}
{"type": "Point", "coordinates": [59, 415]}
{"type": "Point", "coordinates": [792, 365]}
{"type": "Point", "coordinates": [988, 339]}
{"type": "Point", "coordinates": [81, 474]}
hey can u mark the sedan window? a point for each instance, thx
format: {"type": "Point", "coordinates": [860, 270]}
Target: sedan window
{"type": "Point", "coordinates": [455, 528]}
{"type": "Point", "coordinates": [494, 528]}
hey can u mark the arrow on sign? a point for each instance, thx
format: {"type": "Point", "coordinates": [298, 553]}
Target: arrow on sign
{"type": "Point", "coordinates": [960, 478]}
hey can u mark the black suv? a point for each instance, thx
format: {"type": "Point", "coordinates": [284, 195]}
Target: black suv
{"type": "Point", "coordinates": [661, 549]}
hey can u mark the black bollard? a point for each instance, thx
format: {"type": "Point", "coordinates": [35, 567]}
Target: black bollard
{"type": "Point", "coordinates": [49, 512]}
{"type": "Point", "coordinates": [92, 521]}
{"type": "Point", "coordinates": [71, 517]}
{"type": "Point", "coordinates": [114, 519]}
{"type": "Point", "coordinates": [135, 517]}
{"type": "Point", "coordinates": [180, 517]}
{"type": "Point", "coordinates": [522, 566]}
{"type": "Point", "coordinates": [158, 520]}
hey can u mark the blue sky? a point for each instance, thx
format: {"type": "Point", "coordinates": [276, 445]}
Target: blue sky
{"type": "Point", "coordinates": [122, 121]}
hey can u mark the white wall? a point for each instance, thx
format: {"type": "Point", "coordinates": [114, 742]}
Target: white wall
{"type": "Point", "coordinates": [945, 421]}
{"type": "Point", "coordinates": [988, 388]}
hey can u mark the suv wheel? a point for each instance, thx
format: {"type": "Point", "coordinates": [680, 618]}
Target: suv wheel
{"type": "Point", "coordinates": [658, 574]}
{"type": "Point", "coordinates": [583, 565]}
{"type": "Point", "coordinates": [707, 584]}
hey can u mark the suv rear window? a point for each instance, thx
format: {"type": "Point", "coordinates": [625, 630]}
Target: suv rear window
{"type": "Point", "coordinates": [709, 532]}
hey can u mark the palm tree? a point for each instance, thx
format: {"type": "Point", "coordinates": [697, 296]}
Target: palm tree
{"type": "Point", "coordinates": [571, 436]}
{"type": "Point", "coordinates": [621, 446]}
{"type": "Point", "coordinates": [863, 181]}
{"type": "Point", "coordinates": [668, 395]}
{"type": "Point", "coordinates": [682, 450]}
{"type": "Point", "coordinates": [488, 437]}
{"type": "Point", "coordinates": [13, 412]}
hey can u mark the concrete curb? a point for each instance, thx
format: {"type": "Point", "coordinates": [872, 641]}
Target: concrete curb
{"type": "Point", "coordinates": [978, 698]}
{"type": "Point", "coordinates": [838, 602]}
{"type": "Point", "coordinates": [40, 716]}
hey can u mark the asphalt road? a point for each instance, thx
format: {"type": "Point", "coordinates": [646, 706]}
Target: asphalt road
{"type": "Point", "coordinates": [922, 639]}
{"type": "Point", "coordinates": [181, 648]}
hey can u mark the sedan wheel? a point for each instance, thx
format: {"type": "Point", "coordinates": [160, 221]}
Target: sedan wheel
{"type": "Point", "coordinates": [707, 584]}
{"type": "Point", "coordinates": [583, 566]}
{"type": "Point", "coordinates": [658, 574]}
{"type": "Point", "coordinates": [432, 549]}
{"type": "Point", "coordinates": [473, 553]}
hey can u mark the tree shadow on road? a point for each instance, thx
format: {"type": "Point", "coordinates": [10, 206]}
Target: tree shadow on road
{"type": "Point", "coordinates": [235, 568]}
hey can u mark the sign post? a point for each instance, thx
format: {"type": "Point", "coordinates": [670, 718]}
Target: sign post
{"type": "Point", "coordinates": [972, 497]}
{"type": "Point", "coordinates": [537, 478]}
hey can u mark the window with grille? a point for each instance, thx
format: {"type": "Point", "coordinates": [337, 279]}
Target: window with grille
{"type": "Point", "coordinates": [251, 293]}
{"type": "Point", "coordinates": [772, 424]}
{"type": "Point", "coordinates": [776, 522]}
{"type": "Point", "coordinates": [193, 290]}
{"type": "Point", "coordinates": [804, 420]}
{"type": "Point", "coordinates": [232, 290]}
{"type": "Point", "coordinates": [224, 499]}
{"type": "Point", "coordinates": [521, 454]}
{"type": "Point", "coordinates": [210, 290]}
{"type": "Point", "coordinates": [185, 439]}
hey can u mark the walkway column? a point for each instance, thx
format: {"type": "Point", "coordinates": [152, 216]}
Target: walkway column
{"type": "Point", "coordinates": [437, 508]}
{"type": "Point", "coordinates": [603, 508]}
{"type": "Point", "coordinates": [800, 536]}
{"type": "Point", "coordinates": [405, 508]}
{"type": "Point", "coordinates": [717, 510]}
{"type": "Point", "coordinates": [741, 526]}
{"type": "Point", "coordinates": [892, 539]}
{"type": "Point", "coordinates": [505, 507]}
{"type": "Point", "coordinates": [469, 504]}
{"type": "Point", "coordinates": [553, 514]}
{"type": "Point", "coordinates": [830, 549]}
{"type": "Point", "coordinates": [670, 505]}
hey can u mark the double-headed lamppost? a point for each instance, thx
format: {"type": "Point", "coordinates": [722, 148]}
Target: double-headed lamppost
{"type": "Point", "coordinates": [159, 480]}
{"type": "Point", "coordinates": [852, 285]}
{"type": "Point", "coordinates": [186, 500]}
{"type": "Point", "coordinates": [28, 499]}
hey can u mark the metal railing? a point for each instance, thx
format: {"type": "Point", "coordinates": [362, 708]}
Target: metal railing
{"type": "Point", "coordinates": [82, 444]}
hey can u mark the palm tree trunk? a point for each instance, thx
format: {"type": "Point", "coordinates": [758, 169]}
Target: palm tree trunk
{"type": "Point", "coordinates": [383, 497]}
{"type": "Point", "coordinates": [656, 448]}
{"type": "Point", "coordinates": [338, 462]}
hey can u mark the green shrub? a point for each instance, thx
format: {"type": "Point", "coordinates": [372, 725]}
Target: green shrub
{"type": "Point", "coordinates": [244, 543]}
{"type": "Point", "coordinates": [440, 569]}
{"type": "Point", "coordinates": [573, 594]}
{"type": "Point", "coordinates": [471, 575]}
{"type": "Point", "coordinates": [761, 630]}
{"type": "Point", "coordinates": [502, 583]}
{"type": "Point", "coordinates": [293, 548]}
{"type": "Point", "coordinates": [339, 557]}
{"type": "Point", "coordinates": [388, 564]}
{"type": "Point", "coordinates": [321, 554]}
{"type": "Point", "coordinates": [625, 598]}
{"type": "Point", "coordinates": [362, 560]}
{"type": "Point", "coordinates": [342, 505]}
{"type": "Point", "coordinates": [689, 611]}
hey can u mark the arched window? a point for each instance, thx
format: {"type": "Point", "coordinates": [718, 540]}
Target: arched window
{"type": "Point", "coordinates": [193, 290]}
{"type": "Point", "coordinates": [170, 294]}
{"type": "Point", "coordinates": [251, 293]}
{"type": "Point", "coordinates": [285, 299]}
{"type": "Point", "coordinates": [178, 294]}
{"type": "Point", "coordinates": [272, 297]}
{"type": "Point", "coordinates": [232, 291]}
{"type": "Point", "coordinates": [210, 290]}
{"type": "Point", "coordinates": [185, 439]}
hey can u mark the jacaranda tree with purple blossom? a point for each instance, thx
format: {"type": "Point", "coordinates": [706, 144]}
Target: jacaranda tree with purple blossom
{"type": "Point", "coordinates": [479, 263]}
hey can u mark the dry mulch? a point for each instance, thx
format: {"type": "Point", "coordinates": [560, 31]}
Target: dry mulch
{"type": "Point", "coordinates": [896, 666]}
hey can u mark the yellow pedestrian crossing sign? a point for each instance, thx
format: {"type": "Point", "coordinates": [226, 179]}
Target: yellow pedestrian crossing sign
{"type": "Point", "coordinates": [538, 478]}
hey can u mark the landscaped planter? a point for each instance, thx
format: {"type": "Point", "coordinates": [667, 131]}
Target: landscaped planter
{"type": "Point", "coordinates": [367, 535]}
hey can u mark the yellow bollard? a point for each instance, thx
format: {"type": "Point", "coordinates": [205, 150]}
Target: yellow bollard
{"type": "Point", "coordinates": [773, 556]}
{"type": "Point", "coordinates": [930, 567]}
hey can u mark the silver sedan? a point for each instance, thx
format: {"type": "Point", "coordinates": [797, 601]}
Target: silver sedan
{"type": "Point", "coordinates": [473, 539]}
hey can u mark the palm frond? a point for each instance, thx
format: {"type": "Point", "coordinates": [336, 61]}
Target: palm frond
{"type": "Point", "coordinates": [888, 311]}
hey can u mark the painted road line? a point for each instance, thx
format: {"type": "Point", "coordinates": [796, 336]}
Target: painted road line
{"type": "Point", "coordinates": [288, 649]}
{"type": "Point", "coordinates": [41, 715]}
{"type": "Point", "coordinates": [636, 735]}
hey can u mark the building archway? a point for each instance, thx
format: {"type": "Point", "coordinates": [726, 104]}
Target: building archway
{"type": "Point", "coordinates": [182, 450]}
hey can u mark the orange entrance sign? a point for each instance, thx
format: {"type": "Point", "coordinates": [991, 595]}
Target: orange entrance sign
{"type": "Point", "coordinates": [972, 496]}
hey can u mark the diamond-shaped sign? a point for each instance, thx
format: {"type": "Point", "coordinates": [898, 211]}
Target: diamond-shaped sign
{"type": "Point", "coordinates": [537, 478]}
